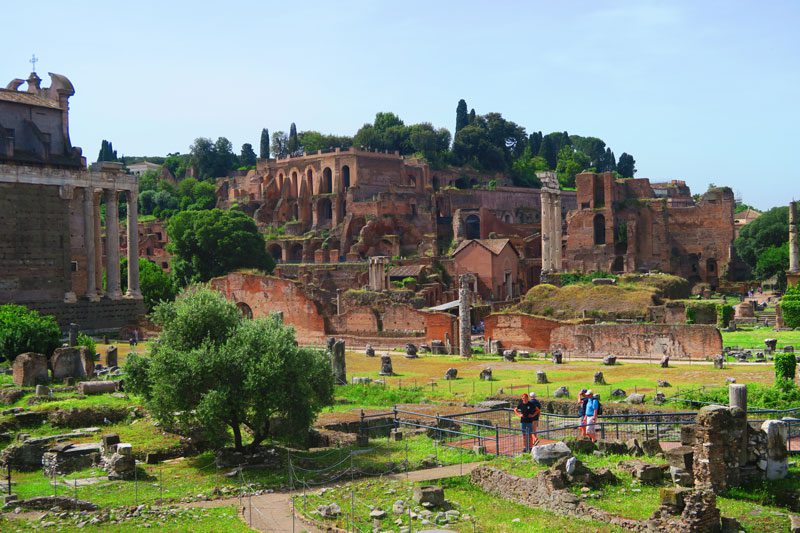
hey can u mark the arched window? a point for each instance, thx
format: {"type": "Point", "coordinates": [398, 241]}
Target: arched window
{"type": "Point", "coordinates": [346, 177]}
{"type": "Point", "coordinates": [324, 210]}
{"type": "Point", "coordinates": [599, 229]}
{"type": "Point", "coordinates": [244, 309]}
{"type": "Point", "coordinates": [276, 252]}
{"type": "Point", "coordinates": [326, 186]}
{"type": "Point", "coordinates": [435, 183]}
{"type": "Point", "coordinates": [711, 267]}
{"type": "Point", "coordinates": [473, 227]}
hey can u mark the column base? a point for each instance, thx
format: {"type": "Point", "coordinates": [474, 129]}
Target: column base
{"type": "Point", "coordinates": [134, 295]}
{"type": "Point", "coordinates": [114, 295]}
{"type": "Point", "coordinates": [70, 298]}
{"type": "Point", "coordinates": [93, 297]}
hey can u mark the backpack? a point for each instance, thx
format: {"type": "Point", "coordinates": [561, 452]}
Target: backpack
{"type": "Point", "coordinates": [599, 410]}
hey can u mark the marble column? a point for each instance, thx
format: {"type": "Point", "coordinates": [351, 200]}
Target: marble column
{"type": "Point", "coordinates": [545, 202]}
{"type": "Point", "coordinates": [556, 245]}
{"type": "Point", "coordinates": [133, 245]}
{"type": "Point", "coordinates": [794, 246]}
{"type": "Point", "coordinates": [112, 245]}
{"type": "Point", "coordinates": [98, 246]}
{"type": "Point", "coordinates": [464, 322]}
{"type": "Point", "coordinates": [89, 244]}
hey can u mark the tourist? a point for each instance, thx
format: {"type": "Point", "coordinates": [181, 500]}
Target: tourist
{"type": "Point", "coordinates": [528, 413]}
{"type": "Point", "coordinates": [583, 399]}
{"type": "Point", "coordinates": [592, 412]}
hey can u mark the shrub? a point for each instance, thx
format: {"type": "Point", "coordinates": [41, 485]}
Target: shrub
{"type": "Point", "coordinates": [24, 330]}
{"type": "Point", "coordinates": [724, 315]}
{"type": "Point", "coordinates": [790, 307]}
{"type": "Point", "coordinates": [87, 341]}
{"type": "Point", "coordinates": [785, 366]}
{"type": "Point", "coordinates": [701, 313]}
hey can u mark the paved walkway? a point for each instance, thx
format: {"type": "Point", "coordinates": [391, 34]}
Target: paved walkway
{"type": "Point", "coordinates": [272, 513]}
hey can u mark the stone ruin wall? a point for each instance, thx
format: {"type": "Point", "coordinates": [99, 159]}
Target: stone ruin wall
{"type": "Point", "coordinates": [638, 340]}
{"type": "Point", "coordinates": [517, 330]}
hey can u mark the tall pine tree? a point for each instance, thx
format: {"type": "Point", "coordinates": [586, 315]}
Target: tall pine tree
{"type": "Point", "coordinates": [264, 147]}
{"type": "Point", "coordinates": [535, 142]}
{"type": "Point", "coordinates": [294, 142]}
{"type": "Point", "coordinates": [462, 119]}
{"type": "Point", "coordinates": [626, 165]}
{"type": "Point", "coordinates": [472, 116]}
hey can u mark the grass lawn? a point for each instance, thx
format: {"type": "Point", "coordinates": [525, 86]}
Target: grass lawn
{"type": "Point", "coordinates": [754, 338]}
{"type": "Point", "coordinates": [194, 520]}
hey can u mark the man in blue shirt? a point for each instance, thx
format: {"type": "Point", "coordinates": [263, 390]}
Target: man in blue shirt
{"type": "Point", "coordinates": [592, 412]}
{"type": "Point", "coordinates": [528, 410]}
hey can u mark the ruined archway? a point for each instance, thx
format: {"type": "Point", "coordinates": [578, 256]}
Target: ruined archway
{"type": "Point", "coordinates": [244, 309]}
{"type": "Point", "coordinates": [345, 177]}
{"type": "Point", "coordinates": [472, 227]}
{"type": "Point", "coordinates": [326, 185]}
{"type": "Point", "coordinates": [296, 253]}
{"type": "Point", "coordinates": [324, 210]}
{"type": "Point", "coordinates": [276, 252]}
{"type": "Point", "coordinates": [599, 229]}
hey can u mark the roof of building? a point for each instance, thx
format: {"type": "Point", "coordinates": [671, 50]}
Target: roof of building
{"type": "Point", "coordinates": [25, 98]}
{"type": "Point", "coordinates": [748, 215]}
{"type": "Point", "coordinates": [493, 245]}
{"type": "Point", "coordinates": [145, 164]}
{"type": "Point", "coordinates": [406, 271]}
{"type": "Point", "coordinates": [445, 307]}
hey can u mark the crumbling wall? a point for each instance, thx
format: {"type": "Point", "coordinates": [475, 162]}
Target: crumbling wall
{"type": "Point", "coordinates": [637, 340]}
{"type": "Point", "coordinates": [516, 330]}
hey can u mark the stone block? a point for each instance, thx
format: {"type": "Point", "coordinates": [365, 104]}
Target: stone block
{"type": "Point", "coordinates": [411, 351]}
{"type": "Point", "coordinates": [561, 392]}
{"type": "Point", "coordinates": [645, 473]}
{"type": "Point", "coordinates": [541, 377]}
{"type": "Point", "coordinates": [29, 369]}
{"type": "Point", "coordinates": [635, 399]}
{"type": "Point", "coordinates": [42, 390]}
{"type": "Point", "coordinates": [486, 374]}
{"type": "Point", "coordinates": [687, 435]}
{"type": "Point", "coordinates": [557, 357]}
{"type": "Point", "coordinates": [610, 360]}
{"type": "Point", "coordinates": [111, 356]}
{"type": "Point", "coordinates": [618, 393]}
{"type": "Point", "coordinates": [97, 387]}
{"type": "Point", "coordinates": [777, 466]}
{"type": "Point", "coordinates": [73, 362]}
{"type": "Point", "coordinates": [452, 373]}
{"type": "Point", "coordinates": [599, 379]}
{"type": "Point", "coordinates": [429, 494]}
{"type": "Point", "coordinates": [396, 435]}
{"type": "Point", "coordinates": [664, 362]}
{"type": "Point", "coordinates": [548, 454]}
{"type": "Point", "coordinates": [651, 447]}
{"type": "Point", "coordinates": [386, 366]}
{"type": "Point", "coordinates": [510, 355]}
{"type": "Point", "coordinates": [680, 457]}
{"type": "Point", "coordinates": [614, 447]}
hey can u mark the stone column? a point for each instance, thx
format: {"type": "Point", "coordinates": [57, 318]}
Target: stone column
{"type": "Point", "coordinates": [464, 323]}
{"type": "Point", "coordinates": [557, 233]}
{"type": "Point", "coordinates": [112, 245]}
{"type": "Point", "coordinates": [133, 245]}
{"type": "Point", "coordinates": [88, 243]}
{"type": "Point", "coordinates": [98, 246]}
{"type": "Point", "coordinates": [794, 245]}
{"type": "Point", "coordinates": [545, 201]}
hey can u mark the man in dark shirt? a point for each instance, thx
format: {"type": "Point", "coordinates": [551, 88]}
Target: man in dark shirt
{"type": "Point", "coordinates": [528, 410]}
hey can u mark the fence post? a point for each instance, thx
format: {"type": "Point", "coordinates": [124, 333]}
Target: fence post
{"type": "Point", "coordinates": [396, 422]}
{"type": "Point", "coordinates": [497, 440]}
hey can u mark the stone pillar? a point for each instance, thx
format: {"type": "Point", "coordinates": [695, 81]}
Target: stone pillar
{"type": "Point", "coordinates": [112, 245]}
{"type": "Point", "coordinates": [98, 247]}
{"type": "Point", "coordinates": [777, 466]}
{"type": "Point", "coordinates": [338, 362]}
{"type": "Point", "coordinates": [546, 243]}
{"type": "Point", "coordinates": [716, 458]}
{"type": "Point", "coordinates": [555, 246]}
{"type": "Point", "coordinates": [464, 323]}
{"type": "Point", "coordinates": [133, 246]}
{"type": "Point", "coordinates": [88, 243]}
{"type": "Point", "coordinates": [378, 278]}
{"type": "Point", "coordinates": [794, 245]}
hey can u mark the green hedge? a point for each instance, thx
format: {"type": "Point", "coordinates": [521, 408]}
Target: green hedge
{"type": "Point", "coordinates": [724, 315]}
{"type": "Point", "coordinates": [790, 307]}
{"type": "Point", "coordinates": [701, 313]}
{"type": "Point", "coordinates": [785, 366]}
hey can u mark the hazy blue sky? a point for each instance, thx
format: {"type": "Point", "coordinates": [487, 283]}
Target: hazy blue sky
{"type": "Point", "coordinates": [702, 91]}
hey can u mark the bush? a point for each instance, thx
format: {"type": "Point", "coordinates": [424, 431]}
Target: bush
{"type": "Point", "coordinates": [724, 315]}
{"type": "Point", "coordinates": [783, 395]}
{"type": "Point", "coordinates": [24, 330]}
{"type": "Point", "coordinates": [790, 307]}
{"type": "Point", "coordinates": [701, 313]}
{"type": "Point", "coordinates": [785, 366]}
{"type": "Point", "coordinates": [569, 278]}
{"type": "Point", "coordinates": [87, 341]}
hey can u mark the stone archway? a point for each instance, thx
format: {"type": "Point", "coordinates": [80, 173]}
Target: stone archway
{"type": "Point", "coordinates": [599, 229]}
{"type": "Point", "coordinates": [276, 252]}
{"type": "Point", "coordinates": [296, 253]}
{"type": "Point", "coordinates": [345, 177]}
{"type": "Point", "coordinates": [245, 309]}
{"type": "Point", "coordinates": [472, 227]}
{"type": "Point", "coordinates": [326, 185]}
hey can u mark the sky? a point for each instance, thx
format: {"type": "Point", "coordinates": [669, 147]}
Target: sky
{"type": "Point", "coordinates": [703, 91]}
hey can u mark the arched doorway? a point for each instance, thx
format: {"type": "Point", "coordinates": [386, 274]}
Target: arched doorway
{"type": "Point", "coordinates": [472, 227]}
{"type": "Point", "coordinates": [435, 183]}
{"type": "Point", "coordinates": [296, 253]}
{"type": "Point", "coordinates": [324, 210]}
{"type": "Point", "coordinates": [276, 252]}
{"type": "Point", "coordinates": [326, 185]}
{"type": "Point", "coordinates": [599, 229]}
{"type": "Point", "coordinates": [244, 309]}
{"type": "Point", "coordinates": [346, 177]}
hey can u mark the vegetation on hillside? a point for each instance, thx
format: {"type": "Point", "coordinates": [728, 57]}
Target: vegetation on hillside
{"type": "Point", "coordinates": [586, 300]}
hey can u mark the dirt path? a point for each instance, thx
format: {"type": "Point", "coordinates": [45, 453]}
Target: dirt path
{"type": "Point", "coordinates": [272, 513]}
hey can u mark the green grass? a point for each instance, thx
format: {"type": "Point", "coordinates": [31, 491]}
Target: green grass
{"type": "Point", "coordinates": [479, 511]}
{"type": "Point", "coordinates": [196, 520]}
{"type": "Point", "coordinates": [754, 338]}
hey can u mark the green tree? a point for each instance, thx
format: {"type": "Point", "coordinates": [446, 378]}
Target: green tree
{"type": "Point", "coordinates": [148, 181]}
{"type": "Point", "coordinates": [570, 162]}
{"type": "Point", "coordinates": [428, 141]}
{"type": "Point", "coordinates": [462, 119]}
{"type": "Point", "coordinates": [626, 165]}
{"type": "Point", "coordinates": [311, 141]}
{"type": "Point", "coordinates": [280, 144]}
{"type": "Point", "coordinates": [24, 330]}
{"type": "Point", "coordinates": [224, 158]}
{"type": "Point", "coordinates": [203, 157]}
{"type": "Point", "coordinates": [773, 261]}
{"type": "Point", "coordinates": [548, 150]}
{"type": "Point", "coordinates": [214, 242]}
{"type": "Point", "coordinates": [524, 169]}
{"type": "Point", "coordinates": [294, 143]}
{"type": "Point", "coordinates": [248, 156]}
{"type": "Point", "coordinates": [177, 164]}
{"type": "Point", "coordinates": [263, 152]}
{"type": "Point", "coordinates": [107, 152]}
{"type": "Point", "coordinates": [147, 202]}
{"type": "Point", "coordinates": [771, 229]}
{"type": "Point", "coordinates": [213, 368]}
{"type": "Point", "coordinates": [156, 285]}
{"type": "Point", "coordinates": [535, 142]}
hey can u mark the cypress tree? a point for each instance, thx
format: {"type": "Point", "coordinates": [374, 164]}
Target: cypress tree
{"type": "Point", "coordinates": [294, 142]}
{"type": "Point", "coordinates": [472, 116]}
{"type": "Point", "coordinates": [103, 149]}
{"type": "Point", "coordinates": [535, 142]}
{"type": "Point", "coordinates": [264, 148]}
{"type": "Point", "coordinates": [549, 151]}
{"type": "Point", "coordinates": [461, 115]}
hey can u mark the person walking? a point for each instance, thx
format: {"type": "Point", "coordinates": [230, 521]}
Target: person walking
{"type": "Point", "coordinates": [583, 399]}
{"type": "Point", "coordinates": [528, 412]}
{"type": "Point", "coordinates": [592, 412]}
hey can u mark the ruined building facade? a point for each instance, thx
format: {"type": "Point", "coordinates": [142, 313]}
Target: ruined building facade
{"type": "Point", "coordinates": [53, 247]}
{"type": "Point", "coordinates": [629, 225]}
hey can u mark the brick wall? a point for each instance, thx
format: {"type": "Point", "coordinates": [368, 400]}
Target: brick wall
{"type": "Point", "coordinates": [34, 243]}
{"type": "Point", "coordinates": [104, 315]}
{"type": "Point", "coordinates": [638, 340]}
{"type": "Point", "coordinates": [515, 330]}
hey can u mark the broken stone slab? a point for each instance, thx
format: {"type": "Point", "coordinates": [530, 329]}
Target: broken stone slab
{"type": "Point", "coordinates": [645, 473]}
{"type": "Point", "coordinates": [557, 357]}
{"type": "Point", "coordinates": [97, 387]}
{"type": "Point", "coordinates": [719, 362]}
{"type": "Point", "coordinates": [680, 457]}
{"type": "Point", "coordinates": [612, 447]}
{"type": "Point", "coordinates": [486, 374]}
{"type": "Point", "coordinates": [777, 466]}
{"type": "Point", "coordinates": [369, 351]}
{"type": "Point", "coordinates": [494, 404]}
{"type": "Point", "coordinates": [386, 366]}
{"type": "Point", "coordinates": [651, 447]}
{"type": "Point", "coordinates": [547, 454]}
{"type": "Point", "coordinates": [663, 383]}
{"type": "Point", "coordinates": [618, 393]}
{"type": "Point", "coordinates": [411, 351]}
{"type": "Point", "coordinates": [430, 494]}
{"type": "Point", "coordinates": [510, 355]}
{"type": "Point", "coordinates": [659, 398]}
{"type": "Point", "coordinates": [329, 511]}
{"type": "Point", "coordinates": [610, 360]}
{"type": "Point", "coordinates": [599, 379]}
{"type": "Point", "coordinates": [452, 373]}
{"type": "Point", "coordinates": [635, 399]}
{"type": "Point", "coordinates": [664, 362]}
{"type": "Point", "coordinates": [771, 344]}
{"type": "Point", "coordinates": [74, 362]}
{"type": "Point", "coordinates": [29, 369]}
{"type": "Point", "coordinates": [111, 356]}
{"type": "Point", "coordinates": [43, 390]}
{"type": "Point", "coordinates": [541, 377]}
{"type": "Point", "coordinates": [561, 392]}
{"type": "Point", "coordinates": [356, 380]}
{"type": "Point", "coordinates": [634, 448]}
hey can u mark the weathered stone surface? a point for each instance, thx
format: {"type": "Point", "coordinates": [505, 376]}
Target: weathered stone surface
{"type": "Point", "coordinates": [429, 494]}
{"type": "Point", "coordinates": [411, 351]}
{"type": "Point", "coordinates": [659, 398]}
{"type": "Point", "coordinates": [687, 435]}
{"type": "Point", "coordinates": [355, 380]}
{"type": "Point", "coordinates": [43, 390]}
{"type": "Point", "coordinates": [651, 447]}
{"type": "Point", "coordinates": [610, 360]}
{"type": "Point", "coordinates": [681, 457]}
{"type": "Point", "coordinates": [67, 458]}
{"type": "Point", "coordinates": [599, 379]}
{"type": "Point", "coordinates": [486, 374]}
{"type": "Point", "coordinates": [557, 357]}
{"type": "Point", "coordinates": [73, 362]}
{"type": "Point", "coordinates": [369, 351]}
{"type": "Point", "coordinates": [718, 437]}
{"type": "Point", "coordinates": [561, 392]}
{"type": "Point", "coordinates": [97, 387]}
{"type": "Point", "coordinates": [719, 362]}
{"type": "Point", "coordinates": [541, 377]}
{"type": "Point", "coordinates": [634, 448]}
{"type": "Point", "coordinates": [618, 393]}
{"type": "Point", "coordinates": [510, 355]}
{"type": "Point", "coordinates": [663, 383]}
{"type": "Point", "coordinates": [771, 344]}
{"type": "Point", "coordinates": [612, 447]}
{"type": "Point", "coordinates": [777, 454]}
{"type": "Point", "coordinates": [664, 362]}
{"type": "Point", "coordinates": [548, 454]}
{"type": "Point", "coordinates": [581, 445]}
{"type": "Point", "coordinates": [329, 511]}
{"type": "Point", "coordinates": [45, 503]}
{"type": "Point", "coordinates": [452, 373]}
{"type": "Point", "coordinates": [29, 369]}
{"type": "Point", "coordinates": [635, 398]}
{"type": "Point", "coordinates": [338, 362]}
{"type": "Point", "coordinates": [386, 366]}
{"type": "Point", "coordinates": [643, 472]}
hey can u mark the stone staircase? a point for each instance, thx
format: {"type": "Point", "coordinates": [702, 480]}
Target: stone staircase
{"type": "Point", "coordinates": [768, 315]}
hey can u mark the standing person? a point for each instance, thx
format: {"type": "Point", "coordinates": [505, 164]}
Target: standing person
{"type": "Point", "coordinates": [592, 412]}
{"type": "Point", "coordinates": [538, 411]}
{"type": "Point", "coordinates": [526, 411]}
{"type": "Point", "coordinates": [583, 399]}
